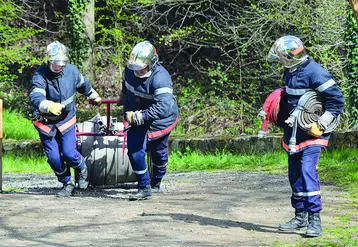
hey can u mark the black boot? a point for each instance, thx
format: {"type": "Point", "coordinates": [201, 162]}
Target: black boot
{"type": "Point", "coordinates": [314, 228]}
{"type": "Point", "coordinates": [298, 222]}
{"type": "Point", "coordinates": [142, 194]}
{"type": "Point", "coordinates": [83, 177]}
{"type": "Point", "coordinates": [66, 190]}
{"type": "Point", "coordinates": [156, 185]}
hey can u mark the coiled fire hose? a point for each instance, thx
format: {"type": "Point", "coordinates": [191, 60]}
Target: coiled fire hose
{"type": "Point", "coordinates": [270, 110]}
{"type": "Point", "coordinates": [307, 111]}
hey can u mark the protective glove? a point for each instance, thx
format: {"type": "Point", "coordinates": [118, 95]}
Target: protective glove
{"type": "Point", "coordinates": [325, 120]}
{"type": "Point", "coordinates": [314, 129]}
{"type": "Point", "coordinates": [98, 100]}
{"type": "Point", "coordinates": [55, 108]}
{"type": "Point", "coordinates": [136, 117]}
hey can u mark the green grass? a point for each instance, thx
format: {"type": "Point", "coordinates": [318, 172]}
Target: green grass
{"type": "Point", "coordinates": [25, 164]}
{"type": "Point", "coordinates": [15, 126]}
{"type": "Point", "coordinates": [196, 161]}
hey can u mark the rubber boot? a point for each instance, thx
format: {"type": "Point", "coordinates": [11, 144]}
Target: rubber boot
{"type": "Point", "coordinates": [298, 222]}
{"type": "Point", "coordinates": [314, 228]}
{"type": "Point", "coordinates": [66, 190]}
{"type": "Point", "coordinates": [142, 194]}
{"type": "Point", "coordinates": [83, 177]}
{"type": "Point", "coordinates": [156, 186]}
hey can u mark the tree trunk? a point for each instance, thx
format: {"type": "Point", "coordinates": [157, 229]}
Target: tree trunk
{"type": "Point", "coordinates": [89, 22]}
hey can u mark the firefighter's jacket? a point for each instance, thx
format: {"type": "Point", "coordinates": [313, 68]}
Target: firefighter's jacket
{"type": "Point", "coordinates": [59, 88]}
{"type": "Point", "coordinates": [307, 77]}
{"type": "Point", "coordinates": [154, 97]}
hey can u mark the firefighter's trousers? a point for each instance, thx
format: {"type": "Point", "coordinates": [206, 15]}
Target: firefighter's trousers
{"type": "Point", "coordinates": [137, 146]}
{"type": "Point", "coordinates": [62, 154]}
{"type": "Point", "coordinates": [304, 181]}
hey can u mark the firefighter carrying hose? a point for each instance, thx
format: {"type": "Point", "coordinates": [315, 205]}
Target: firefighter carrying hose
{"type": "Point", "coordinates": [54, 85]}
{"type": "Point", "coordinates": [150, 108]}
{"type": "Point", "coordinates": [301, 75]}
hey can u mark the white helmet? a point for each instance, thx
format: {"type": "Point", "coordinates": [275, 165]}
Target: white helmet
{"type": "Point", "coordinates": [143, 55]}
{"type": "Point", "coordinates": [56, 54]}
{"type": "Point", "coordinates": [288, 50]}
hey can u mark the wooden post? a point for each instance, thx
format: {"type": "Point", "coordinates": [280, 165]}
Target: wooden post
{"type": "Point", "coordinates": [354, 5]}
{"type": "Point", "coordinates": [0, 145]}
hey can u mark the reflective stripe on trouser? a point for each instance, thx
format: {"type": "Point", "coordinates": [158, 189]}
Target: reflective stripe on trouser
{"type": "Point", "coordinates": [304, 179]}
{"type": "Point", "coordinates": [159, 156]}
{"type": "Point", "coordinates": [137, 145]}
{"type": "Point", "coordinates": [61, 150]}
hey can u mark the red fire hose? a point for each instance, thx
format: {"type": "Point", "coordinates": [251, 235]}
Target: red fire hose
{"type": "Point", "coordinates": [270, 110]}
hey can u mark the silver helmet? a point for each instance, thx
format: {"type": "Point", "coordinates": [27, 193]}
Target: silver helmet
{"type": "Point", "coordinates": [56, 54]}
{"type": "Point", "coordinates": [143, 55]}
{"type": "Point", "coordinates": [288, 50]}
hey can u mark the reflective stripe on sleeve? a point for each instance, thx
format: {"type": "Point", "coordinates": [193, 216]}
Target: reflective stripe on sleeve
{"type": "Point", "coordinates": [81, 81]}
{"type": "Point", "coordinates": [301, 91]}
{"type": "Point", "coordinates": [325, 85]}
{"type": "Point", "coordinates": [163, 90]}
{"type": "Point", "coordinates": [38, 90]}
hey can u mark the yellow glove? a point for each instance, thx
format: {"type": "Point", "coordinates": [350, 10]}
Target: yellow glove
{"type": "Point", "coordinates": [98, 100]}
{"type": "Point", "coordinates": [314, 129]}
{"type": "Point", "coordinates": [55, 108]}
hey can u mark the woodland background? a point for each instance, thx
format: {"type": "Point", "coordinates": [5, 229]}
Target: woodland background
{"type": "Point", "coordinates": [215, 51]}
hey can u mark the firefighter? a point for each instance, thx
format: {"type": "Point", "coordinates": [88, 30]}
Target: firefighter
{"type": "Point", "coordinates": [54, 85]}
{"type": "Point", "coordinates": [303, 74]}
{"type": "Point", "coordinates": [150, 109]}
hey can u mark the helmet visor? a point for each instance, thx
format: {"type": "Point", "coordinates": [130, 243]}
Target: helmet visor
{"type": "Point", "coordinates": [59, 62]}
{"type": "Point", "coordinates": [272, 57]}
{"type": "Point", "coordinates": [136, 66]}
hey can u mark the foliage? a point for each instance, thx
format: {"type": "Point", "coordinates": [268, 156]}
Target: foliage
{"type": "Point", "coordinates": [214, 50]}
{"type": "Point", "coordinates": [117, 30]}
{"type": "Point", "coordinates": [352, 38]}
{"type": "Point", "coordinates": [15, 126]}
{"type": "Point", "coordinates": [14, 53]}
{"type": "Point", "coordinates": [227, 44]}
{"type": "Point", "coordinates": [77, 29]}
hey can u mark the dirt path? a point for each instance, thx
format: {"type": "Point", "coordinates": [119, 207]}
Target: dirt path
{"type": "Point", "coordinates": [195, 209]}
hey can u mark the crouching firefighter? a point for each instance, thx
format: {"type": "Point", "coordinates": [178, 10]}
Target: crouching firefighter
{"type": "Point", "coordinates": [151, 111]}
{"type": "Point", "coordinates": [54, 85]}
{"type": "Point", "coordinates": [303, 75]}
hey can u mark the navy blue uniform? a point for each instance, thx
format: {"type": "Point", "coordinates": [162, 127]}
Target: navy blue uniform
{"type": "Point", "coordinates": [302, 163]}
{"type": "Point", "coordinates": [57, 133]}
{"type": "Point", "coordinates": [154, 97]}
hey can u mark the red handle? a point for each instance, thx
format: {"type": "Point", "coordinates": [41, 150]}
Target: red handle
{"type": "Point", "coordinates": [104, 101]}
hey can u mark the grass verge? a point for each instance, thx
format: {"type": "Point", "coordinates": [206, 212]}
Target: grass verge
{"type": "Point", "coordinates": [15, 126]}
